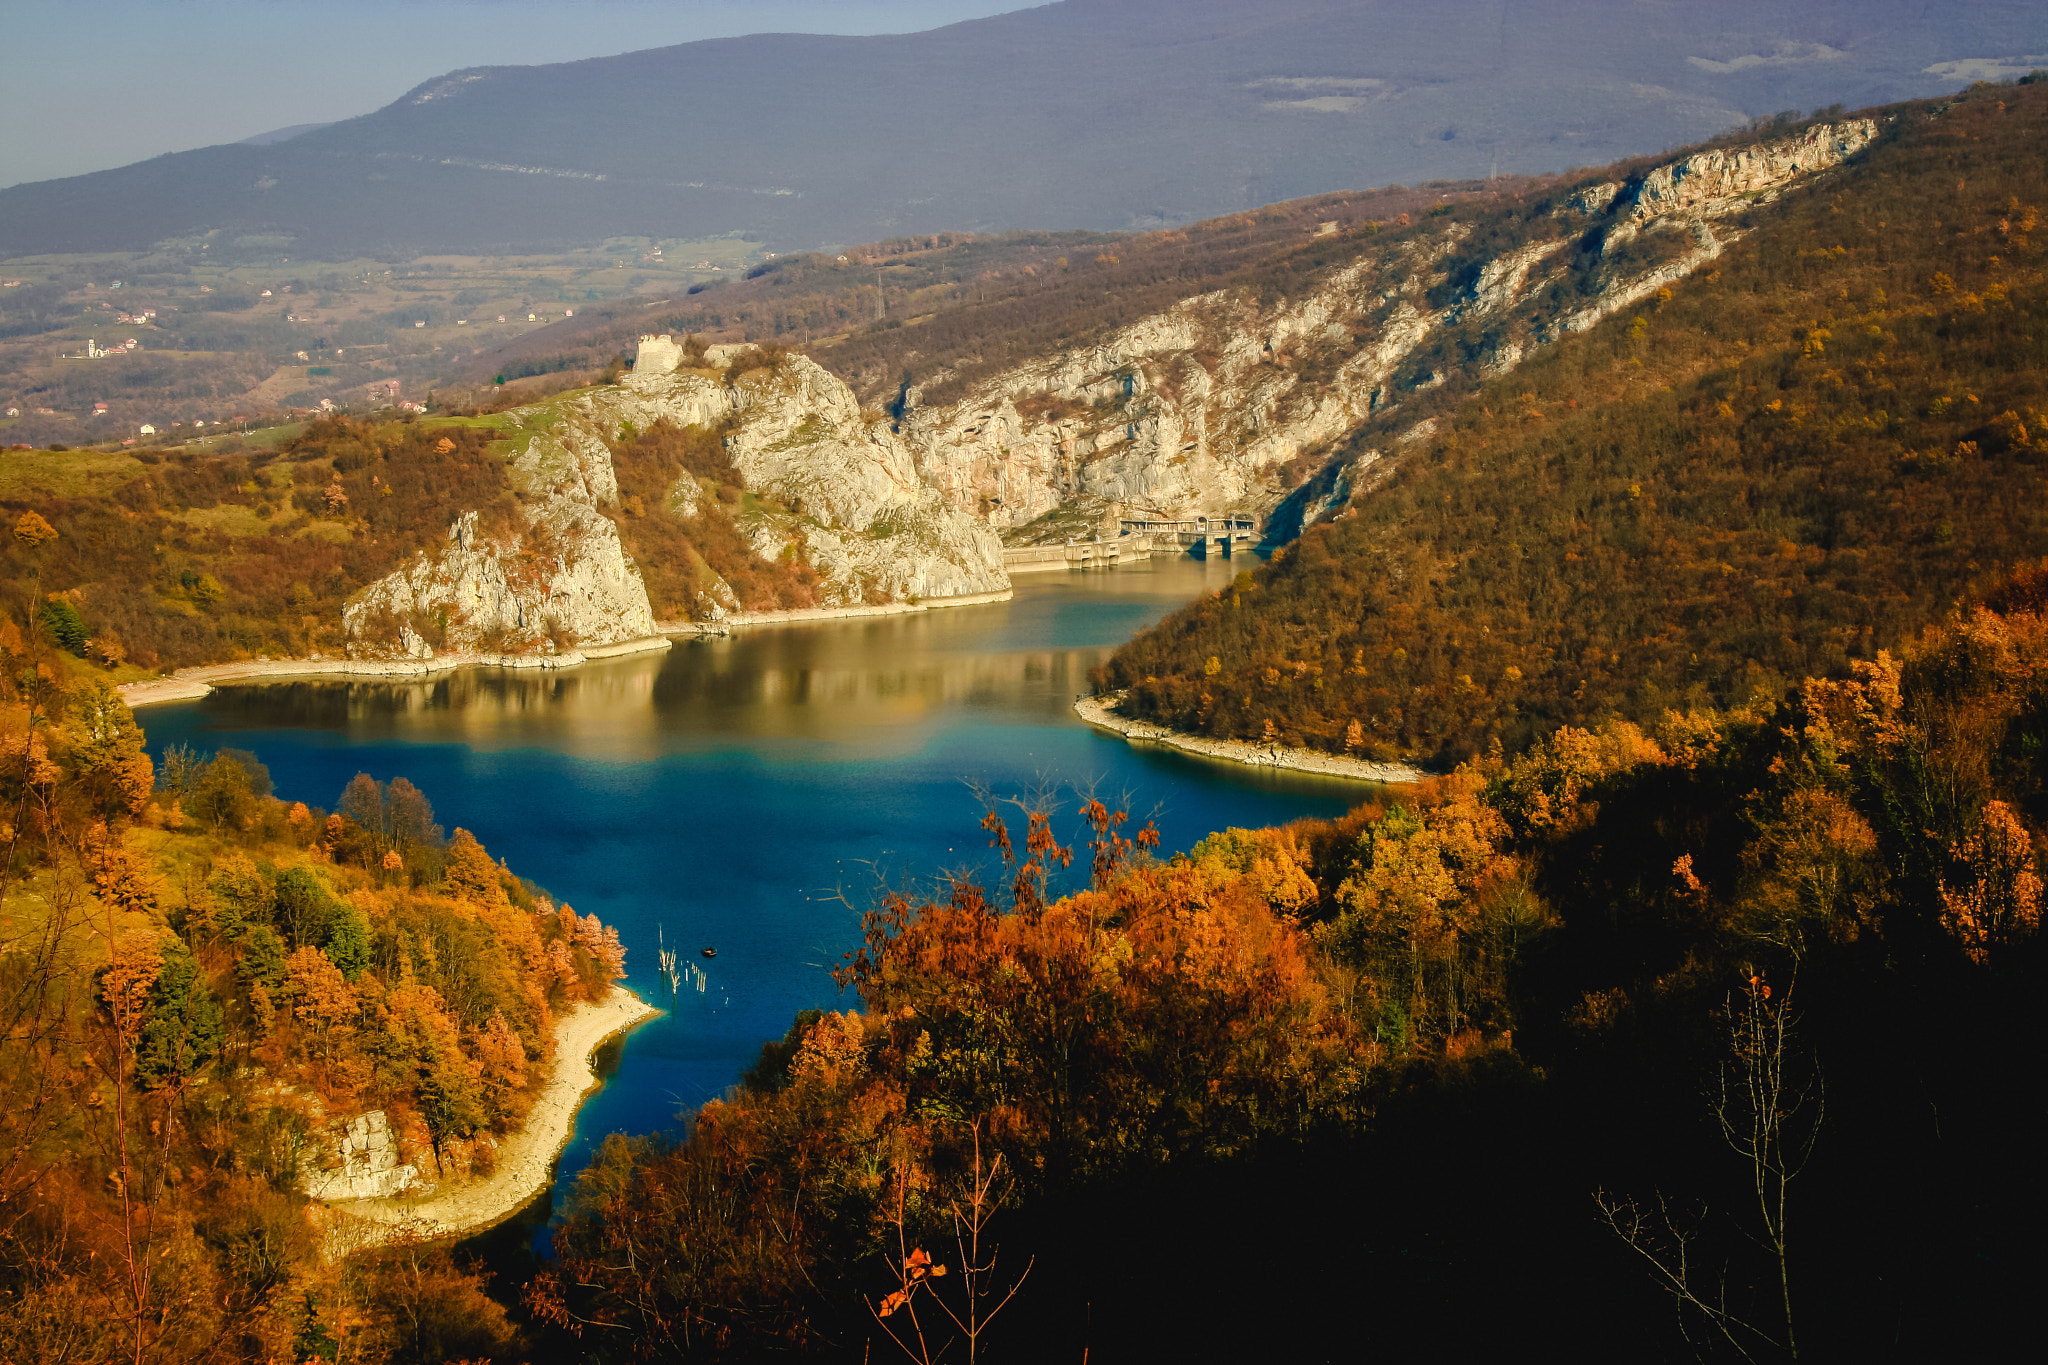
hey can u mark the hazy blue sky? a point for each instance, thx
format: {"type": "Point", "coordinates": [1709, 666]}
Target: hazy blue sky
{"type": "Point", "coordinates": [90, 84]}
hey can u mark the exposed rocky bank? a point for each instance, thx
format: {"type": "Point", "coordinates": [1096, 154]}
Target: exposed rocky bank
{"type": "Point", "coordinates": [1102, 713]}
{"type": "Point", "coordinates": [835, 487]}
{"type": "Point", "coordinates": [376, 1195]}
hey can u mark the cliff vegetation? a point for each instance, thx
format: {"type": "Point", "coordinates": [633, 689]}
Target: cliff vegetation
{"type": "Point", "coordinates": [186, 557]}
{"type": "Point", "coordinates": [692, 553]}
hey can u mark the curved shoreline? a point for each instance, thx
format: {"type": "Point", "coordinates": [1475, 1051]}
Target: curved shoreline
{"type": "Point", "coordinates": [1101, 713]}
{"type": "Point", "coordinates": [526, 1159]}
{"type": "Point", "coordinates": [801, 615]}
{"type": "Point", "coordinates": [189, 684]}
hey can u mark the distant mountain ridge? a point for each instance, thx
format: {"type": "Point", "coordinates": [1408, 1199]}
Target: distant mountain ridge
{"type": "Point", "coordinates": [284, 134]}
{"type": "Point", "coordinates": [1105, 114]}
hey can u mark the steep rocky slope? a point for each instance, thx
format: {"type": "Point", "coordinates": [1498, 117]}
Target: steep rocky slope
{"type": "Point", "coordinates": [841, 489]}
{"type": "Point", "coordinates": [564, 582]}
{"type": "Point", "coordinates": [1234, 400]}
{"type": "Point", "coordinates": [1203, 408]}
{"type": "Point", "coordinates": [560, 527]}
{"type": "Point", "coordinates": [560, 582]}
{"type": "Point", "coordinates": [824, 484]}
{"type": "Point", "coordinates": [1809, 453]}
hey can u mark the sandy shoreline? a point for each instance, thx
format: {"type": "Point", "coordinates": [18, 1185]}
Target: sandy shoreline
{"type": "Point", "coordinates": [799, 615]}
{"type": "Point", "coordinates": [188, 684]}
{"type": "Point", "coordinates": [525, 1159]}
{"type": "Point", "coordinates": [1101, 712]}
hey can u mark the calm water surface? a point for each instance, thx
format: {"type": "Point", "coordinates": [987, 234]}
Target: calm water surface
{"type": "Point", "coordinates": [739, 792]}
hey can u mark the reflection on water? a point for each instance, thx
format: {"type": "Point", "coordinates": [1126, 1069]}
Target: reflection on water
{"type": "Point", "coordinates": [871, 683]}
{"type": "Point", "coordinates": [743, 792]}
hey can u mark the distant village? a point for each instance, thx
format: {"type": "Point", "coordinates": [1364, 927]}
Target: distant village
{"type": "Point", "coordinates": [276, 367]}
{"type": "Point", "coordinates": [380, 395]}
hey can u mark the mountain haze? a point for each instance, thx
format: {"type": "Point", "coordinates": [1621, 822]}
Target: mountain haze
{"type": "Point", "coordinates": [1690, 515]}
{"type": "Point", "coordinates": [1105, 114]}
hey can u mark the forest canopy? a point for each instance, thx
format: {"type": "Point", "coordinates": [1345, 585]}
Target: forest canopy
{"type": "Point", "coordinates": [198, 980]}
{"type": "Point", "coordinates": [1795, 458]}
{"type": "Point", "coordinates": [1506, 1037]}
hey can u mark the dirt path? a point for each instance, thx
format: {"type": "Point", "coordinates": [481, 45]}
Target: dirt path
{"type": "Point", "coordinates": [525, 1160]}
{"type": "Point", "coordinates": [1102, 713]}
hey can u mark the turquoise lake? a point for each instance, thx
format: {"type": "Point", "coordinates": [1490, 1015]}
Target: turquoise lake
{"type": "Point", "coordinates": [746, 792]}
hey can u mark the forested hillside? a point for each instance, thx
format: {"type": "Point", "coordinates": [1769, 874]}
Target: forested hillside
{"type": "Point", "coordinates": [195, 556]}
{"type": "Point", "coordinates": [1685, 1013]}
{"type": "Point", "coordinates": [1452, 1066]}
{"type": "Point", "coordinates": [1775, 468]}
{"type": "Point", "coordinates": [167, 559]}
{"type": "Point", "coordinates": [197, 979]}
{"type": "Point", "coordinates": [1505, 1059]}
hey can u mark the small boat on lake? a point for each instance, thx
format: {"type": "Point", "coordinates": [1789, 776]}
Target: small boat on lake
{"type": "Point", "coordinates": [711, 952]}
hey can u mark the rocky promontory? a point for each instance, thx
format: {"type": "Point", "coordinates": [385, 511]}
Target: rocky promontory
{"type": "Point", "coordinates": [858, 510]}
{"type": "Point", "coordinates": [379, 1194]}
{"type": "Point", "coordinates": [832, 487]}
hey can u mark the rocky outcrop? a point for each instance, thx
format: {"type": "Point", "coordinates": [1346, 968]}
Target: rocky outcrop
{"type": "Point", "coordinates": [1221, 402]}
{"type": "Point", "coordinates": [1684, 196]}
{"type": "Point", "coordinates": [561, 583]}
{"type": "Point", "coordinates": [554, 587]}
{"type": "Point", "coordinates": [834, 488]}
{"type": "Point", "coordinates": [833, 485]}
{"type": "Point", "coordinates": [361, 1162]}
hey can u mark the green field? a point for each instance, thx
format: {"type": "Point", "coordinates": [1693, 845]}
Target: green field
{"type": "Point", "coordinates": [64, 473]}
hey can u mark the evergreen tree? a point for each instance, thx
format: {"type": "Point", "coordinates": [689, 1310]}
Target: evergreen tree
{"type": "Point", "coordinates": [65, 625]}
{"type": "Point", "coordinates": [181, 1030]}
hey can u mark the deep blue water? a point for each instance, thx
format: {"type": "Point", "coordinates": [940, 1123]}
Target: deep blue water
{"type": "Point", "coordinates": [746, 792]}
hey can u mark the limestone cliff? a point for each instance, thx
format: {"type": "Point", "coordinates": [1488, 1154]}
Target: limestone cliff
{"type": "Point", "coordinates": [557, 586]}
{"type": "Point", "coordinates": [1203, 408]}
{"type": "Point", "coordinates": [560, 586]}
{"type": "Point", "coordinates": [1226, 402]}
{"type": "Point", "coordinates": [834, 486]}
{"type": "Point", "coordinates": [364, 1159]}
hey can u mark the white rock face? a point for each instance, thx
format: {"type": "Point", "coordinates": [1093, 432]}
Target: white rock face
{"type": "Point", "coordinates": [858, 511]}
{"type": "Point", "coordinates": [1687, 193]}
{"type": "Point", "coordinates": [563, 582]}
{"type": "Point", "coordinates": [361, 1163]}
{"type": "Point", "coordinates": [656, 356]}
{"type": "Point", "coordinates": [1196, 410]}
{"type": "Point", "coordinates": [1199, 410]}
